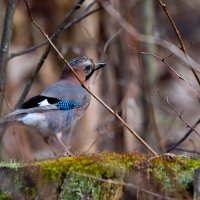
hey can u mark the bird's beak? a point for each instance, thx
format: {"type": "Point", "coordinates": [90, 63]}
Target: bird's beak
{"type": "Point", "coordinates": [98, 66]}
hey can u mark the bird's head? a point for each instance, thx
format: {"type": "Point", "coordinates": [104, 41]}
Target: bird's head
{"type": "Point", "coordinates": [84, 68]}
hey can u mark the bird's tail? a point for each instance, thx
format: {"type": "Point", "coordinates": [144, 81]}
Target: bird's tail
{"type": "Point", "coordinates": [12, 118]}
{"type": "Point", "coordinates": [6, 121]}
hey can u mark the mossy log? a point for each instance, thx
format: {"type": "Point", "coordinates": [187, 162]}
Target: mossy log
{"type": "Point", "coordinates": [101, 176]}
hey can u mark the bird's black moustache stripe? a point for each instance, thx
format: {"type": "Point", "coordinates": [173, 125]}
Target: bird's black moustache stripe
{"type": "Point", "coordinates": [90, 74]}
{"type": "Point", "coordinates": [99, 66]}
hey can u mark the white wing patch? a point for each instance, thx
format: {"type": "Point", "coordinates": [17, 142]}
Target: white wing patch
{"type": "Point", "coordinates": [44, 103]}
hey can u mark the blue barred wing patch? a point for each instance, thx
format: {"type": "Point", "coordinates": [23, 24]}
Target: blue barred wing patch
{"type": "Point", "coordinates": [67, 105]}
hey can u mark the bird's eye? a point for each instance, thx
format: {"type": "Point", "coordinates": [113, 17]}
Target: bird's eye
{"type": "Point", "coordinates": [87, 68]}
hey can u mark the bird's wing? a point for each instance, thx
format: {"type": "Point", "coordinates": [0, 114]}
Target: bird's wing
{"type": "Point", "coordinates": [41, 104]}
{"type": "Point", "coordinates": [62, 95]}
{"type": "Point", "coordinates": [48, 103]}
{"type": "Point", "coordinates": [38, 101]}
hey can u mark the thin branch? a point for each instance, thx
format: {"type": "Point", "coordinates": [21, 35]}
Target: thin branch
{"type": "Point", "coordinates": [5, 41]}
{"type": "Point", "coordinates": [99, 131]}
{"type": "Point", "coordinates": [7, 102]}
{"type": "Point", "coordinates": [178, 114]}
{"type": "Point", "coordinates": [90, 5]}
{"type": "Point", "coordinates": [32, 78]}
{"type": "Point", "coordinates": [182, 46]}
{"type": "Point", "coordinates": [110, 120]}
{"type": "Point", "coordinates": [61, 28]}
{"type": "Point", "coordinates": [82, 84]}
{"type": "Point", "coordinates": [110, 40]}
{"type": "Point", "coordinates": [148, 39]}
{"type": "Point", "coordinates": [171, 69]}
{"type": "Point", "coordinates": [27, 50]}
{"type": "Point", "coordinates": [173, 147]}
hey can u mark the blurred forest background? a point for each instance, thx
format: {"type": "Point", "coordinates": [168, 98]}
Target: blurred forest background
{"type": "Point", "coordinates": [150, 87]}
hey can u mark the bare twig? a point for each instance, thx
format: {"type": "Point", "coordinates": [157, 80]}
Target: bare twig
{"type": "Point", "coordinates": [182, 46]}
{"type": "Point", "coordinates": [61, 28]}
{"type": "Point", "coordinates": [106, 122]}
{"type": "Point", "coordinates": [171, 69]}
{"type": "Point", "coordinates": [149, 39]}
{"type": "Point", "coordinates": [31, 79]}
{"type": "Point", "coordinates": [173, 147]}
{"type": "Point", "coordinates": [27, 50]}
{"type": "Point", "coordinates": [178, 114]}
{"type": "Point", "coordinates": [82, 84]}
{"type": "Point", "coordinates": [90, 5]}
{"type": "Point", "coordinates": [99, 131]}
{"type": "Point", "coordinates": [5, 41]}
{"type": "Point", "coordinates": [8, 104]}
{"type": "Point", "coordinates": [110, 40]}
{"type": "Point", "coordinates": [192, 128]}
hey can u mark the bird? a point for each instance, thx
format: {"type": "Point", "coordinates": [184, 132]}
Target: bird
{"type": "Point", "coordinates": [57, 108]}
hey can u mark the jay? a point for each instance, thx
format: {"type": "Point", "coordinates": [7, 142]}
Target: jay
{"type": "Point", "coordinates": [58, 107]}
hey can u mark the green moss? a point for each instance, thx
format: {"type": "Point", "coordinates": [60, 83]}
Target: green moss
{"type": "Point", "coordinates": [84, 176]}
{"type": "Point", "coordinates": [110, 191]}
{"type": "Point", "coordinates": [12, 164]}
{"type": "Point", "coordinates": [175, 175]}
{"type": "Point", "coordinates": [104, 165]}
{"type": "Point", "coordinates": [4, 195]}
{"type": "Point", "coordinates": [79, 186]}
{"type": "Point", "coordinates": [23, 184]}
